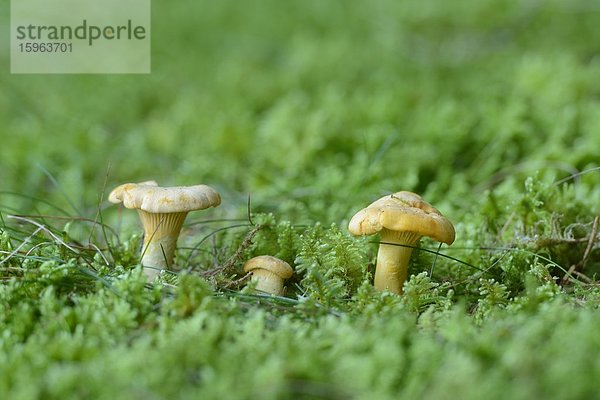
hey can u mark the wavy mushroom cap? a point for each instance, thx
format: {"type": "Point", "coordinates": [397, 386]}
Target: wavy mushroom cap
{"type": "Point", "coordinates": [149, 197]}
{"type": "Point", "coordinates": [403, 212]}
{"type": "Point", "coordinates": [270, 263]}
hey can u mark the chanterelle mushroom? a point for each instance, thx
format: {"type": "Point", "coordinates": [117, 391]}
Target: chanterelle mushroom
{"type": "Point", "coordinates": [401, 218]}
{"type": "Point", "coordinates": [268, 272]}
{"type": "Point", "coordinates": [162, 211]}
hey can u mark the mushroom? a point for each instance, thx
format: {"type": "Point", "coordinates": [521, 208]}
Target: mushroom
{"type": "Point", "coordinates": [162, 211]}
{"type": "Point", "coordinates": [268, 272]}
{"type": "Point", "coordinates": [401, 219]}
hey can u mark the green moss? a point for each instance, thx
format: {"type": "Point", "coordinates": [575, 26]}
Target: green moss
{"type": "Point", "coordinates": [300, 114]}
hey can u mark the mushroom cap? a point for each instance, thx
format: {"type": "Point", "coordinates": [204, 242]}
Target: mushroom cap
{"type": "Point", "coordinates": [403, 212]}
{"type": "Point", "coordinates": [150, 197]}
{"type": "Point", "coordinates": [270, 263]}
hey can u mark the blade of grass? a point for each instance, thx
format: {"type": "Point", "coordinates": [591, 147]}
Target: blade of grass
{"type": "Point", "coordinates": [59, 188]}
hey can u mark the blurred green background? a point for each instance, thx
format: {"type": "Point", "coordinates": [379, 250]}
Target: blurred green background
{"type": "Point", "coordinates": [316, 107]}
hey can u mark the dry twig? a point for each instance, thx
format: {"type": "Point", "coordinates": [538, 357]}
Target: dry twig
{"type": "Point", "coordinates": [230, 263]}
{"type": "Point", "coordinates": [574, 269]}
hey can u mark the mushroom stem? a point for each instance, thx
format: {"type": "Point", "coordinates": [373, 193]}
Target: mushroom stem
{"type": "Point", "coordinates": [268, 282]}
{"type": "Point", "coordinates": [160, 240]}
{"type": "Point", "coordinates": [392, 260]}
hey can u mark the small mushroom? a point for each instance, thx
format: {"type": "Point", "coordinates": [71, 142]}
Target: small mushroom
{"type": "Point", "coordinates": [162, 211]}
{"type": "Point", "coordinates": [401, 219]}
{"type": "Point", "coordinates": [269, 273]}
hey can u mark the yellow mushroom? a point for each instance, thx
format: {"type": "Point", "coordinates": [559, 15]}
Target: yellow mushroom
{"type": "Point", "coordinates": [162, 211]}
{"type": "Point", "coordinates": [401, 219]}
{"type": "Point", "coordinates": [269, 273]}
